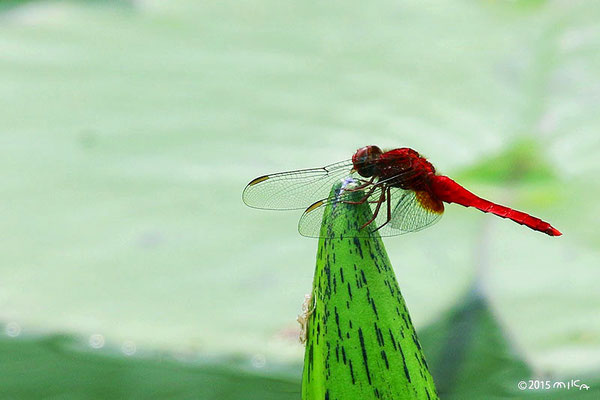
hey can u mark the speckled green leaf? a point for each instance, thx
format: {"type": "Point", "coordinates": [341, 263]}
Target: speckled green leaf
{"type": "Point", "coordinates": [361, 343]}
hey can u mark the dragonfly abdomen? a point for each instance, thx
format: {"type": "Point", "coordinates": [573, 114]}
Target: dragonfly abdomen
{"type": "Point", "coordinates": [449, 191]}
{"type": "Point", "coordinates": [517, 216]}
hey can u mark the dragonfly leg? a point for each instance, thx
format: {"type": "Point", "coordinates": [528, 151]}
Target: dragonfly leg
{"type": "Point", "coordinates": [376, 212]}
{"type": "Point", "coordinates": [361, 186]}
{"type": "Point", "coordinates": [380, 198]}
{"type": "Point", "coordinates": [365, 197]}
{"type": "Point", "coordinates": [389, 209]}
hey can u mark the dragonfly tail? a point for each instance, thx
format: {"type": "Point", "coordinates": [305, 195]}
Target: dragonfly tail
{"type": "Point", "coordinates": [449, 191]}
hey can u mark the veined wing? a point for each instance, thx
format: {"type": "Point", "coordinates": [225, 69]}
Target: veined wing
{"type": "Point", "coordinates": [407, 211]}
{"type": "Point", "coordinates": [294, 190]}
{"type": "Point", "coordinates": [412, 211]}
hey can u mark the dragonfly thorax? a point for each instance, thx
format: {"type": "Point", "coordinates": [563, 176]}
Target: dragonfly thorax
{"type": "Point", "coordinates": [405, 168]}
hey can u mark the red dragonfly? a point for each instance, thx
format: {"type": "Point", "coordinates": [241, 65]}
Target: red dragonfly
{"type": "Point", "coordinates": [401, 186]}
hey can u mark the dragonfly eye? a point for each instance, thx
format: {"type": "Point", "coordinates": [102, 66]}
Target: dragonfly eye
{"type": "Point", "coordinates": [364, 160]}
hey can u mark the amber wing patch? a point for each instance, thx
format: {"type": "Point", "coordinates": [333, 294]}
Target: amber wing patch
{"type": "Point", "coordinates": [429, 203]}
{"type": "Point", "coordinates": [258, 180]}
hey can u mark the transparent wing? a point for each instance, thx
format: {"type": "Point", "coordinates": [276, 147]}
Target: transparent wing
{"type": "Point", "coordinates": [294, 189]}
{"type": "Point", "coordinates": [412, 211]}
{"type": "Point", "coordinates": [406, 211]}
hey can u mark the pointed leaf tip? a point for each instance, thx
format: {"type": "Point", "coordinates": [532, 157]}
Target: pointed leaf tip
{"type": "Point", "coordinates": [360, 340]}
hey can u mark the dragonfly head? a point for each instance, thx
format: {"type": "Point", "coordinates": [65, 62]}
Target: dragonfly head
{"type": "Point", "coordinates": [364, 160]}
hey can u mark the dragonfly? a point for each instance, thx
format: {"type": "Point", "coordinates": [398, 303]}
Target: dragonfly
{"type": "Point", "coordinates": [402, 188]}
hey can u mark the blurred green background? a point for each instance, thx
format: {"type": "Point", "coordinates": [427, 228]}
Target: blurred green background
{"type": "Point", "coordinates": [129, 267]}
